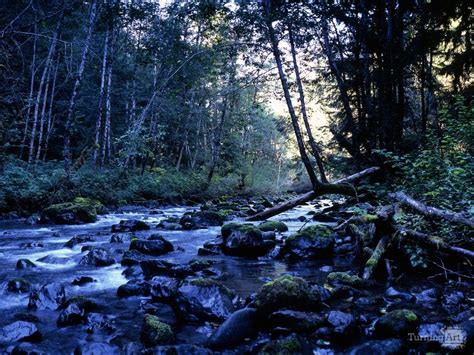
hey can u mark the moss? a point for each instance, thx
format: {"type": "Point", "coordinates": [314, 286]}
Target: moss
{"type": "Point", "coordinates": [404, 314]}
{"type": "Point", "coordinates": [286, 292]}
{"type": "Point", "coordinates": [205, 282]}
{"type": "Point", "coordinates": [154, 332]}
{"type": "Point", "coordinates": [247, 228]}
{"type": "Point", "coordinates": [270, 226]}
{"type": "Point", "coordinates": [314, 231]}
{"type": "Point", "coordinates": [343, 278]}
{"type": "Point", "coordinates": [369, 218]}
{"type": "Point", "coordinates": [198, 265]}
{"type": "Point", "coordinates": [289, 345]}
{"type": "Point", "coordinates": [84, 209]}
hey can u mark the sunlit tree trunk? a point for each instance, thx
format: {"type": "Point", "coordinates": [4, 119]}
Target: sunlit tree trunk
{"type": "Point", "coordinates": [98, 124]}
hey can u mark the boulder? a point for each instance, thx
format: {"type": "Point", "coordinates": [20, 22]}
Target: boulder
{"type": "Point", "coordinates": [82, 302]}
{"type": "Point", "coordinates": [82, 280]}
{"type": "Point", "coordinates": [288, 292]}
{"type": "Point", "coordinates": [72, 315]}
{"type": "Point", "coordinates": [394, 294]}
{"type": "Point", "coordinates": [97, 257]}
{"type": "Point", "coordinates": [81, 210]}
{"type": "Point", "coordinates": [134, 288]}
{"type": "Point", "coordinates": [396, 324]}
{"type": "Point", "coordinates": [19, 331]}
{"type": "Point", "coordinates": [97, 321]}
{"type": "Point", "coordinates": [117, 238]}
{"type": "Point", "coordinates": [154, 332]}
{"type": "Point", "coordinates": [184, 349]}
{"type": "Point", "coordinates": [204, 300]}
{"type": "Point", "coordinates": [130, 225]}
{"type": "Point", "coordinates": [243, 240]}
{"type": "Point", "coordinates": [272, 226]}
{"type": "Point", "coordinates": [78, 239]}
{"type": "Point", "coordinates": [156, 267]}
{"type": "Point", "coordinates": [301, 322]}
{"type": "Point", "coordinates": [49, 296]}
{"type": "Point", "coordinates": [289, 345]}
{"type": "Point", "coordinates": [240, 325]}
{"type": "Point", "coordinates": [96, 348]}
{"type": "Point", "coordinates": [343, 323]}
{"type": "Point", "coordinates": [132, 257]}
{"type": "Point", "coordinates": [164, 287]}
{"type": "Point", "coordinates": [157, 246]}
{"type": "Point", "coordinates": [346, 279]}
{"type": "Point", "coordinates": [201, 219]}
{"type": "Point", "coordinates": [54, 260]}
{"type": "Point", "coordinates": [24, 264]}
{"type": "Point", "coordinates": [312, 242]}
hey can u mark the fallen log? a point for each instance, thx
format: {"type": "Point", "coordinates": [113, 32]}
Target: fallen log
{"type": "Point", "coordinates": [337, 187]}
{"type": "Point", "coordinates": [376, 257]}
{"type": "Point", "coordinates": [431, 211]}
{"type": "Point", "coordinates": [435, 243]}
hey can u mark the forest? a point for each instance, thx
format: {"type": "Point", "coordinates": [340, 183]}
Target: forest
{"type": "Point", "coordinates": [236, 176]}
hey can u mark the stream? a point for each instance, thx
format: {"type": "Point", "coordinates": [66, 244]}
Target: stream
{"type": "Point", "coordinates": [244, 276]}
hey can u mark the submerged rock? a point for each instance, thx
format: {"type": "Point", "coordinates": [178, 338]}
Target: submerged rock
{"type": "Point", "coordinates": [130, 225]}
{"type": "Point", "coordinates": [19, 331]}
{"type": "Point", "coordinates": [286, 292]}
{"type": "Point", "coordinates": [204, 300]}
{"type": "Point", "coordinates": [72, 315]}
{"type": "Point", "coordinates": [49, 296]}
{"type": "Point", "coordinates": [243, 240]}
{"type": "Point", "coordinates": [19, 285]}
{"type": "Point", "coordinates": [312, 242]}
{"type": "Point", "coordinates": [388, 346]}
{"type": "Point", "coordinates": [81, 210]}
{"type": "Point", "coordinates": [24, 264]}
{"type": "Point", "coordinates": [96, 348]}
{"type": "Point", "coordinates": [156, 246]}
{"type": "Point", "coordinates": [271, 226]}
{"type": "Point", "coordinates": [54, 260]}
{"type": "Point", "coordinates": [240, 325]}
{"type": "Point", "coordinates": [396, 323]}
{"type": "Point", "coordinates": [78, 239]}
{"type": "Point", "coordinates": [82, 280]}
{"type": "Point", "coordinates": [97, 257]}
{"type": "Point", "coordinates": [164, 287]}
{"type": "Point", "coordinates": [154, 332]}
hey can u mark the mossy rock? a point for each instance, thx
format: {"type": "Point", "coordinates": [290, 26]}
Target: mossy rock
{"type": "Point", "coordinates": [243, 240]}
{"type": "Point", "coordinates": [83, 303]}
{"type": "Point", "coordinates": [396, 323]}
{"type": "Point", "coordinates": [287, 292]}
{"type": "Point", "coordinates": [246, 228]}
{"type": "Point", "coordinates": [312, 242]}
{"type": "Point", "coordinates": [154, 332]}
{"type": "Point", "coordinates": [346, 279]}
{"type": "Point", "coordinates": [200, 264]}
{"type": "Point", "coordinates": [81, 210]}
{"type": "Point", "coordinates": [270, 226]}
{"type": "Point", "coordinates": [288, 345]}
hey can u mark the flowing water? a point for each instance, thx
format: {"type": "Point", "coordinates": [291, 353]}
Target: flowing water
{"type": "Point", "coordinates": [244, 276]}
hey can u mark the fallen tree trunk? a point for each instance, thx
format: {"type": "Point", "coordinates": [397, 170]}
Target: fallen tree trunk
{"type": "Point", "coordinates": [431, 211]}
{"type": "Point", "coordinates": [337, 187]}
{"type": "Point", "coordinates": [376, 257]}
{"type": "Point", "coordinates": [435, 243]}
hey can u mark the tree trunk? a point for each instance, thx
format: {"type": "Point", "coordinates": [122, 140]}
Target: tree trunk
{"type": "Point", "coordinates": [376, 257]}
{"type": "Point", "coordinates": [75, 90]}
{"type": "Point", "coordinates": [106, 145]}
{"type": "Point", "coordinates": [43, 112]}
{"type": "Point", "coordinates": [312, 142]}
{"type": "Point", "coordinates": [336, 187]}
{"type": "Point", "coordinates": [284, 83]}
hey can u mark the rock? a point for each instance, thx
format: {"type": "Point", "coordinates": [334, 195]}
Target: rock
{"type": "Point", "coordinates": [323, 217]}
{"type": "Point", "coordinates": [197, 265]}
{"type": "Point", "coordinates": [164, 287]}
{"type": "Point", "coordinates": [388, 346]}
{"type": "Point", "coordinates": [393, 294]}
{"type": "Point", "coordinates": [204, 300]}
{"type": "Point", "coordinates": [49, 296]}
{"type": "Point", "coordinates": [452, 301]}
{"type": "Point", "coordinates": [134, 288]}
{"type": "Point", "coordinates": [286, 292]}
{"type": "Point", "coordinates": [169, 224]}
{"type": "Point", "coordinates": [130, 225]}
{"type": "Point", "coordinates": [18, 285]}
{"type": "Point", "coordinates": [427, 298]}
{"type": "Point", "coordinates": [83, 303]}
{"type": "Point", "coordinates": [72, 315]}
{"type": "Point", "coordinates": [26, 349]}
{"type": "Point", "coordinates": [78, 239]}
{"type": "Point", "coordinates": [289, 345]}
{"type": "Point", "coordinates": [346, 279]}
{"type": "Point", "coordinates": [301, 322]}
{"type": "Point", "coordinates": [430, 333]}
{"type": "Point", "coordinates": [277, 252]}
{"type": "Point", "coordinates": [81, 210]}
{"type": "Point", "coordinates": [132, 257]}
{"type": "Point", "coordinates": [24, 264]}
{"type": "Point", "coordinates": [27, 317]}
{"type": "Point", "coordinates": [97, 257]}
{"type": "Point", "coordinates": [201, 219]}
{"type": "Point", "coordinates": [33, 220]}
{"type": "Point", "coordinates": [54, 260]}
{"type": "Point", "coordinates": [31, 245]}
{"type": "Point", "coordinates": [117, 238]}
{"type": "Point", "coordinates": [467, 334]}
{"type": "Point", "coordinates": [312, 242]}
{"type": "Point", "coordinates": [134, 272]}
{"type": "Point", "coordinates": [97, 349]}
{"type": "Point", "coordinates": [154, 332]}
{"type": "Point", "coordinates": [97, 321]}
{"type": "Point", "coordinates": [207, 252]}
{"type": "Point", "coordinates": [342, 322]}
{"type": "Point", "coordinates": [268, 236]}
{"type": "Point", "coordinates": [243, 240]}
{"type": "Point", "coordinates": [240, 325]}
{"type": "Point", "coordinates": [157, 246]}
{"type": "Point", "coordinates": [156, 268]}
{"type": "Point", "coordinates": [82, 280]}
{"type": "Point", "coordinates": [184, 349]}
{"type": "Point", "coordinates": [272, 226]}
{"type": "Point", "coordinates": [19, 331]}
{"type": "Point", "coordinates": [396, 323]}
